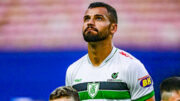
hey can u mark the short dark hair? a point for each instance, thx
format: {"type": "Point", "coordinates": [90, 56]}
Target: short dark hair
{"type": "Point", "coordinates": [64, 91]}
{"type": "Point", "coordinates": [112, 12]}
{"type": "Point", "coordinates": [170, 84]}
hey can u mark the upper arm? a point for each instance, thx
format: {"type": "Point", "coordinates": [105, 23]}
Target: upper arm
{"type": "Point", "coordinates": [68, 77]}
{"type": "Point", "coordinates": [139, 82]}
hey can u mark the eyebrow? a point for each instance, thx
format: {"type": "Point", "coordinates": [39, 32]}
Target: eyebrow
{"type": "Point", "coordinates": [95, 15]}
{"type": "Point", "coordinates": [86, 16]}
{"type": "Point", "coordinates": [99, 15]}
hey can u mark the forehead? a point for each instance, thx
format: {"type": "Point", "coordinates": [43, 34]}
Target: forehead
{"type": "Point", "coordinates": [175, 96]}
{"type": "Point", "coordinates": [97, 10]}
{"type": "Point", "coordinates": [63, 99]}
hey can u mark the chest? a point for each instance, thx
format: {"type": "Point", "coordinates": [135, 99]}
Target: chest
{"type": "Point", "coordinates": [110, 72]}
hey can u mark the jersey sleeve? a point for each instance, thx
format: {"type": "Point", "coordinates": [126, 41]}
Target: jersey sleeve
{"type": "Point", "coordinates": [139, 82]}
{"type": "Point", "coordinates": [68, 77]}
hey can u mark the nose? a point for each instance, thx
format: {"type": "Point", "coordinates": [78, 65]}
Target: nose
{"type": "Point", "coordinates": [90, 22]}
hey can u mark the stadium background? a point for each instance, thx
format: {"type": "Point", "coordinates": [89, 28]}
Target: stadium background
{"type": "Point", "coordinates": [39, 39]}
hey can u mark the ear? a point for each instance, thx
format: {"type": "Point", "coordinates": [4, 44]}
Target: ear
{"type": "Point", "coordinates": [113, 28]}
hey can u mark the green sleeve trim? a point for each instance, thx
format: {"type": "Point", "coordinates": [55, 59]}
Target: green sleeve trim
{"type": "Point", "coordinates": [145, 97]}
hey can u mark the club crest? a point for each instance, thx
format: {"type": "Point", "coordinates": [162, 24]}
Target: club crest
{"type": "Point", "coordinates": [93, 89]}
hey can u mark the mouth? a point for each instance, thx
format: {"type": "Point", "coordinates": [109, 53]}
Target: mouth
{"type": "Point", "coordinates": [91, 29]}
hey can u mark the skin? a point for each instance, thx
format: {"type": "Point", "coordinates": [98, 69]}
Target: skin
{"type": "Point", "coordinates": [151, 99]}
{"type": "Point", "coordinates": [99, 18]}
{"type": "Point", "coordinates": [171, 96]}
{"type": "Point", "coordinates": [64, 99]}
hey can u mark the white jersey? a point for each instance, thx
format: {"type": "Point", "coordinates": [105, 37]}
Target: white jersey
{"type": "Point", "coordinates": [120, 77]}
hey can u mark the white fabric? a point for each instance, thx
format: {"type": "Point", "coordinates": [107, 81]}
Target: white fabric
{"type": "Point", "coordinates": [130, 70]}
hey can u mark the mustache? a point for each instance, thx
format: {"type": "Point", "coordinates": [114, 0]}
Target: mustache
{"type": "Point", "coordinates": [91, 28]}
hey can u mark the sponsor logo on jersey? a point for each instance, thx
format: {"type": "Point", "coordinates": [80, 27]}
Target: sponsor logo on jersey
{"type": "Point", "coordinates": [145, 81]}
{"type": "Point", "coordinates": [93, 89]}
{"type": "Point", "coordinates": [114, 78]}
{"type": "Point", "coordinates": [77, 80]}
{"type": "Point", "coordinates": [125, 54]}
{"type": "Point", "coordinates": [114, 75]}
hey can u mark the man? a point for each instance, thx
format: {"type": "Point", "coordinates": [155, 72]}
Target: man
{"type": "Point", "coordinates": [66, 93]}
{"type": "Point", "coordinates": [170, 89]}
{"type": "Point", "coordinates": [107, 73]}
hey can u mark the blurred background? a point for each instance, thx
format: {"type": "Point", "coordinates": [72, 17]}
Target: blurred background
{"type": "Point", "coordinates": [39, 39]}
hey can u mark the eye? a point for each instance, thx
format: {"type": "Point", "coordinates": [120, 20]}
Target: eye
{"type": "Point", "coordinates": [99, 18]}
{"type": "Point", "coordinates": [86, 18]}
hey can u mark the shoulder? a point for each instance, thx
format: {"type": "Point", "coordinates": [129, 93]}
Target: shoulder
{"type": "Point", "coordinates": [129, 60]}
{"type": "Point", "coordinates": [125, 55]}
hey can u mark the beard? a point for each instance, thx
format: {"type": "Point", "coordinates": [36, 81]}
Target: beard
{"type": "Point", "coordinates": [90, 37]}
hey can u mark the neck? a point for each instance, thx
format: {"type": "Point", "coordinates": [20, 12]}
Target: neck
{"type": "Point", "coordinates": [98, 51]}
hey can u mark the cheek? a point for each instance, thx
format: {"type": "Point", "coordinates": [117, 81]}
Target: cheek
{"type": "Point", "coordinates": [83, 27]}
{"type": "Point", "coordinates": [103, 26]}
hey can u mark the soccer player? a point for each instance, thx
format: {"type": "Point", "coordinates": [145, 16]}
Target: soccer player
{"type": "Point", "coordinates": [65, 93]}
{"type": "Point", "coordinates": [170, 89]}
{"type": "Point", "coordinates": [107, 73]}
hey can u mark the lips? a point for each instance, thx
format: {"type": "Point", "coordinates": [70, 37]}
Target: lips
{"type": "Point", "coordinates": [90, 28]}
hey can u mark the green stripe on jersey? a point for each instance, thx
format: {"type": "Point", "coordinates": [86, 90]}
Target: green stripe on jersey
{"type": "Point", "coordinates": [145, 97]}
{"type": "Point", "coordinates": [105, 94]}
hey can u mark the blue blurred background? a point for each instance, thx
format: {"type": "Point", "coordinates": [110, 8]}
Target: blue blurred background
{"type": "Point", "coordinates": [39, 39]}
{"type": "Point", "coordinates": [36, 74]}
